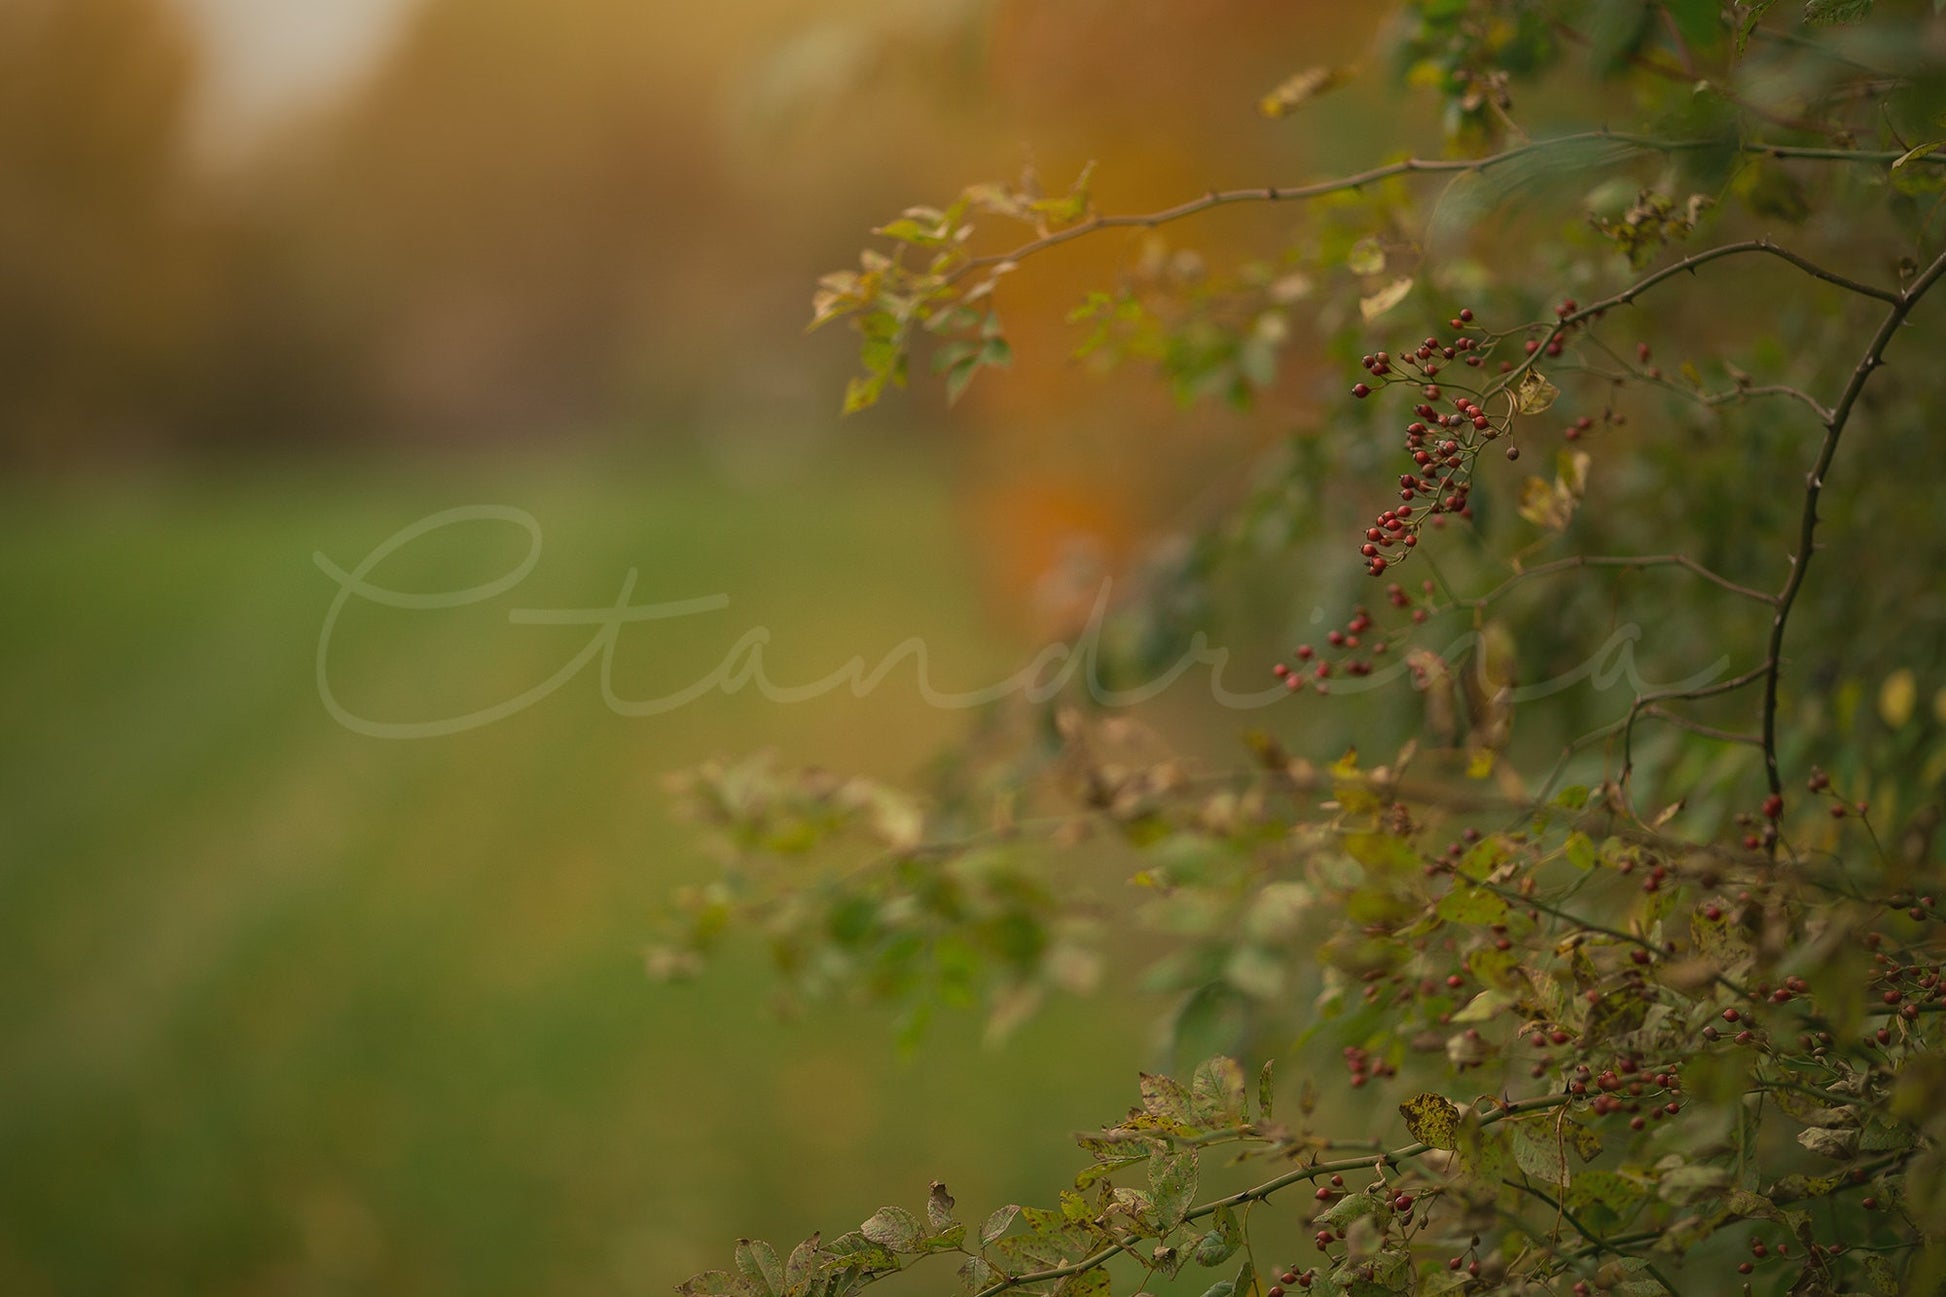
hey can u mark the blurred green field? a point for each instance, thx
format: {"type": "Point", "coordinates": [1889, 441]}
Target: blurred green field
{"type": "Point", "coordinates": [287, 1009]}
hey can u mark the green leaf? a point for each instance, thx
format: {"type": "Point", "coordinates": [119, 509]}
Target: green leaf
{"type": "Point", "coordinates": [802, 1268]}
{"type": "Point", "coordinates": [1172, 1185]}
{"type": "Point", "coordinates": [1832, 13]}
{"type": "Point", "coordinates": [1089, 1283]}
{"type": "Point", "coordinates": [976, 1274]}
{"type": "Point", "coordinates": [757, 1262]}
{"type": "Point", "coordinates": [1610, 1191]}
{"type": "Point", "coordinates": [894, 1228]}
{"type": "Point", "coordinates": [1223, 1239]}
{"type": "Point", "coordinates": [1540, 1152]}
{"type": "Point", "coordinates": [1474, 906]}
{"type": "Point", "coordinates": [1482, 858]}
{"type": "Point", "coordinates": [1485, 1006]}
{"type": "Point", "coordinates": [1266, 1090]}
{"type": "Point", "coordinates": [1432, 1118]}
{"type": "Point", "coordinates": [1495, 967]}
{"type": "Point", "coordinates": [1692, 1183]}
{"type": "Point", "coordinates": [854, 1251]}
{"type": "Point", "coordinates": [710, 1283]}
{"type": "Point", "coordinates": [1753, 13]}
{"type": "Point", "coordinates": [863, 393]}
{"type": "Point", "coordinates": [1485, 1152]}
{"type": "Point", "coordinates": [907, 230]}
{"type": "Point", "coordinates": [960, 377]}
{"type": "Point", "coordinates": [1165, 1097]}
{"type": "Point", "coordinates": [1217, 1093]}
{"type": "Point", "coordinates": [997, 1223]}
{"type": "Point", "coordinates": [1348, 1208]}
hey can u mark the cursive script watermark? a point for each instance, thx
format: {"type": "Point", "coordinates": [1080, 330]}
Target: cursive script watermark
{"type": "Point", "coordinates": [1053, 670]}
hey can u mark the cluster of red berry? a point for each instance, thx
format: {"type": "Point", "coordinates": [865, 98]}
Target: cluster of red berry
{"type": "Point", "coordinates": [1292, 1277]}
{"type": "Point", "coordinates": [1442, 445]}
{"type": "Point", "coordinates": [1557, 336]}
{"type": "Point", "coordinates": [1363, 1066]}
{"type": "Point", "coordinates": [1908, 989]}
{"type": "Point", "coordinates": [1355, 657]}
{"type": "Point", "coordinates": [1782, 1250]}
{"type": "Point", "coordinates": [1624, 1086]}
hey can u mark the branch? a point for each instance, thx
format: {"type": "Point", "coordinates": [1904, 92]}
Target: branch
{"type": "Point", "coordinates": [1902, 304]}
{"type": "Point", "coordinates": [1736, 395]}
{"type": "Point", "coordinates": [1519, 1107]}
{"type": "Point", "coordinates": [1409, 166]}
{"type": "Point", "coordinates": [1646, 703]}
{"type": "Point", "coordinates": [1616, 560]}
{"type": "Point", "coordinates": [1696, 727]}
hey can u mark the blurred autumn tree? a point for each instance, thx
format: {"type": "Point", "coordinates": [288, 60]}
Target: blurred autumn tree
{"type": "Point", "coordinates": [101, 251]}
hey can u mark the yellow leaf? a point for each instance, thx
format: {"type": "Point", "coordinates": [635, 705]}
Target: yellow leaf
{"type": "Point", "coordinates": [1433, 1119]}
{"type": "Point", "coordinates": [1539, 505]}
{"type": "Point", "coordinates": [1572, 469]}
{"type": "Point", "coordinates": [1299, 89]}
{"type": "Point", "coordinates": [1896, 697]}
{"type": "Point", "coordinates": [1914, 154]}
{"type": "Point", "coordinates": [1535, 393]}
{"type": "Point", "coordinates": [1385, 298]}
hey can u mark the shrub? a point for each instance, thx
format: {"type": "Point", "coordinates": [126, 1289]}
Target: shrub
{"type": "Point", "coordinates": [1652, 990]}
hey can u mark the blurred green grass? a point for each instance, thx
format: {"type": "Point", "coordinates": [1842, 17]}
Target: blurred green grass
{"type": "Point", "coordinates": [291, 1010]}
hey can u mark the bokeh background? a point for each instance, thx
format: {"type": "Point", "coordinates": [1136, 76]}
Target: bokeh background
{"type": "Point", "coordinates": [286, 1009]}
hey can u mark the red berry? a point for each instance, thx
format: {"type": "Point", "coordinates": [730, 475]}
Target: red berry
{"type": "Point", "coordinates": [1361, 391]}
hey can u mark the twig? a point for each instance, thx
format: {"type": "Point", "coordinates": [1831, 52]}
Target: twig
{"type": "Point", "coordinates": [1696, 727]}
{"type": "Point", "coordinates": [1409, 166]}
{"type": "Point", "coordinates": [1902, 304]}
{"type": "Point", "coordinates": [1616, 560]}
{"type": "Point", "coordinates": [1502, 1112]}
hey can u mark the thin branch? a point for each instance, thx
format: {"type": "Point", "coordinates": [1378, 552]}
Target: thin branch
{"type": "Point", "coordinates": [1502, 1112]}
{"type": "Point", "coordinates": [1902, 304]}
{"type": "Point", "coordinates": [1709, 400]}
{"type": "Point", "coordinates": [1811, 268]}
{"type": "Point", "coordinates": [1616, 560]}
{"type": "Point", "coordinates": [1696, 727]}
{"type": "Point", "coordinates": [1595, 1241]}
{"type": "Point", "coordinates": [1409, 166]}
{"type": "Point", "coordinates": [1643, 702]}
{"type": "Point", "coordinates": [1740, 394]}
